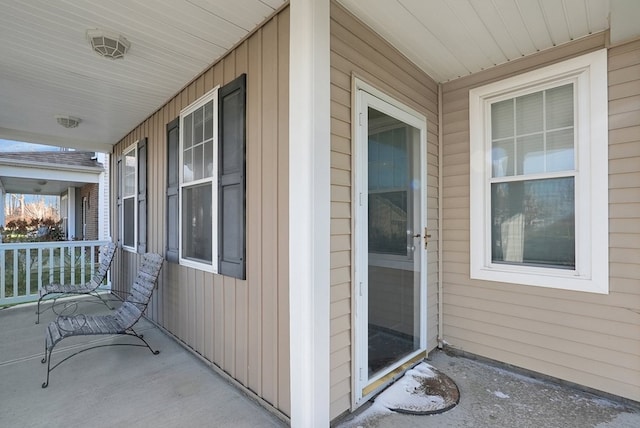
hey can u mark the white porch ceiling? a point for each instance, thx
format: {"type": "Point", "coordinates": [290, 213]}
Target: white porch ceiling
{"type": "Point", "coordinates": [47, 67]}
{"type": "Point", "coordinates": [449, 39]}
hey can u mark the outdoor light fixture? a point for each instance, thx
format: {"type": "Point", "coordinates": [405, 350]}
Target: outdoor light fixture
{"type": "Point", "coordinates": [68, 121]}
{"type": "Point", "coordinates": [107, 45]}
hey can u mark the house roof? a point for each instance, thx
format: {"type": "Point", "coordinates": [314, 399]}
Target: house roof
{"type": "Point", "coordinates": [47, 173]}
{"type": "Point", "coordinates": [49, 69]}
{"type": "Point", "coordinates": [70, 158]}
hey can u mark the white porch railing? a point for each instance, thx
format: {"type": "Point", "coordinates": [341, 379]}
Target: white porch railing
{"type": "Point", "coordinates": [26, 267]}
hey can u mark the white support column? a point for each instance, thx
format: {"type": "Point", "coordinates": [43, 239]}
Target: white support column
{"type": "Point", "coordinates": [2, 197]}
{"type": "Point", "coordinates": [309, 212]}
{"type": "Point", "coordinates": [103, 199]}
{"type": "Point", "coordinates": [71, 213]}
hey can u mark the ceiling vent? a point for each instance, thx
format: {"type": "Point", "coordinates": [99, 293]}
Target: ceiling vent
{"type": "Point", "coordinates": [108, 45]}
{"type": "Point", "coordinates": [68, 121]}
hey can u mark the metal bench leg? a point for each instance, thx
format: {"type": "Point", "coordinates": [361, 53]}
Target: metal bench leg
{"type": "Point", "coordinates": [38, 308]}
{"type": "Point", "coordinates": [47, 359]}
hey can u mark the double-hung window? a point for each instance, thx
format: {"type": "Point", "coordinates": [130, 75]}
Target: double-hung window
{"type": "Point", "coordinates": [129, 196]}
{"type": "Point", "coordinates": [206, 182]}
{"type": "Point", "coordinates": [539, 177]}
{"type": "Point", "coordinates": [198, 182]}
{"type": "Point", "coordinates": [132, 196]}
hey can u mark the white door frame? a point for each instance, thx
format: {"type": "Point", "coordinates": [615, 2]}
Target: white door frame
{"type": "Point", "coordinates": [366, 95]}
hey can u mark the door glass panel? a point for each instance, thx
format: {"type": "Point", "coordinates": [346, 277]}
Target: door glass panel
{"type": "Point", "coordinates": [394, 192]}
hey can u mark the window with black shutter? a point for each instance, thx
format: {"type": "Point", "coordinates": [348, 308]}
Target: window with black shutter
{"type": "Point", "coordinates": [206, 190]}
{"type": "Point", "coordinates": [231, 178]}
{"type": "Point", "coordinates": [173, 189]}
{"type": "Point", "coordinates": [142, 196]}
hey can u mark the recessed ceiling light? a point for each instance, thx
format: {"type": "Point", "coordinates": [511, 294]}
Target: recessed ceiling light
{"type": "Point", "coordinates": [68, 121]}
{"type": "Point", "coordinates": [112, 46]}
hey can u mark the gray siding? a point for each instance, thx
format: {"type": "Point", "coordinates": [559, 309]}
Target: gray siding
{"type": "Point", "coordinates": [585, 338]}
{"type": "Point", "coordinates": [240, 326]}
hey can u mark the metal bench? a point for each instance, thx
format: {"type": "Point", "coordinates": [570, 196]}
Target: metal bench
{"type": "Point", "coordinates": [90, 288]}
{"type": "Point", "coordinates": [121, 322]}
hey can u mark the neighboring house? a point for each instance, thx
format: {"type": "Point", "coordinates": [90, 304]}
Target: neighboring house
{"type": "Point", "coordinates": [78, 178]}
{"type": "Point", "coordinates": [331, 211]}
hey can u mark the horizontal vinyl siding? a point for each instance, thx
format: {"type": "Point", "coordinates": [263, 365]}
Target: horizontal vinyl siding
{"type": "Point", "coordinates": [356, 49]}
{"type": "Point", "coordinates": [585, 338]}
{"type": "Point", "coordinates": [240, 326]}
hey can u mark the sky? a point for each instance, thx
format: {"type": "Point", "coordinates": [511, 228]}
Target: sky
{"type": "Point", "coordinates": [17, 146]}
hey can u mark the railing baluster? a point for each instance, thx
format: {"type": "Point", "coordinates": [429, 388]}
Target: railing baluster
{"type": "Point", "coordinates": [62, 281]}
{"type": "Point", "coordinates": [72, 262]}
{"type": "Point", "coordinates": [51, 252]}
{"type": "Point", "coordinates": [15, 272]}
{"type": "Point", "coordinates": [3, 273]}
{"type": "Point", "coordinates": [39, 269]}
{"type": "Point", "coordinates": [27, 270]}
{"type": "Point", "coordinates": [93, 262]}
{"type": "Point", "coordinates": [83, 250]}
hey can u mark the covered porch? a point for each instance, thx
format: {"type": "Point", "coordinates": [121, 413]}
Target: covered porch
{"type": "Point", "coordinates": [115, 386]}
{"type": "Point", "coordinates": [288, 330]}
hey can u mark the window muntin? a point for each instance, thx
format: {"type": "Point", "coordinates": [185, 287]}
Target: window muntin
{"type": "Point", "coordinates": [533, 220]}
{"type": "Point", "coordinates": [541, 138]}
{"type": "Point", "coordinates": [533, 133]}
{"type": "Point", "coordinates": [129, 196]}
{"type": "Point", "coordinates": [198, 183]}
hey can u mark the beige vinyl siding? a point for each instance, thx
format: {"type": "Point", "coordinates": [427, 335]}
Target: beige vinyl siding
{"type": "Point", "coordinates": [586, 338]}
{"type": "Point", "coordinates": [240, 326]}
{"type": "Point", "coordinates": [356, 49]}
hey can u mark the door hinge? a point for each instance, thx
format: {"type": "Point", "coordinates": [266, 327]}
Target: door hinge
{"type": "Point", "coordinates": [360, 119]}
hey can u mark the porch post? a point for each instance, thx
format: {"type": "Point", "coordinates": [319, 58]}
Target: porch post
{"type": "Point", "coordinates": [309, 212]}
{"type": "Point", "coordinates": [2, 197]}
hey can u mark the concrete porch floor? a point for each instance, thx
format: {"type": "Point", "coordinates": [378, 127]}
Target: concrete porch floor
{"type": "Point", "coordinates": [128, 386]}
{"type": "Point", "coordinates": [113, 386]}
{"type": "Point", "coordinates": [495, 397]}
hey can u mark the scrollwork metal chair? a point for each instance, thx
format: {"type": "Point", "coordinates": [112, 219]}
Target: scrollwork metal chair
{"type": "Point", "coordinates": [121, 322]}
{"type": "Point", "coordinates": [107, 254]}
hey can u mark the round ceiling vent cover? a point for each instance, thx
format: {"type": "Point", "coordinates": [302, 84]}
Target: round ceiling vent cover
{"type": "Point", "coordinates": [68, 121]}
{"type": "Point", "coordinates": [108, 45]}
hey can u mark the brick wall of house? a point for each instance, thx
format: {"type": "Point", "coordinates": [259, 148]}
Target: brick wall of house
{"type": "Point", "coordinates": [90, 191]}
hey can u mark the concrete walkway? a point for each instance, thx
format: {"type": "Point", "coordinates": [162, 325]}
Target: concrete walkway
{"type": "Point", "coordinates": [118, 386]}
{"type": "Point", "coordinates": [496, 398]}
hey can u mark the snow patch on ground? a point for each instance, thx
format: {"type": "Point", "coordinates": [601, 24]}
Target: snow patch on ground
{"type": "Point", "coordinates": [500, 394]}
{"type": "Point", "coordinates": [406, 393]}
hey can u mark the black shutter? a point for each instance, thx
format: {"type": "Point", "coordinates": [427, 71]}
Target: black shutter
{"type": "Point", "coordinates": [231, 179]}
{"type": "Point", "coordinates": [142, 195]}
{"type": "Point", "coordinates": [118, 181]}
{"type": "Point", "coordinates": [173, 183]}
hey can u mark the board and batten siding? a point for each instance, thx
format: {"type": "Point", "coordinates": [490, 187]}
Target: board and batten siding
{"type": "Point", "coordinates": [356, 50]}
{"type": "Point", "coordinates": [241, 326]}
{"type": "Point", "coordinates": [585, 338]}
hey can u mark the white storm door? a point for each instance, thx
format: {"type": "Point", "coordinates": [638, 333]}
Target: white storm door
{"type": "Point", "coordinates": [390, 228]}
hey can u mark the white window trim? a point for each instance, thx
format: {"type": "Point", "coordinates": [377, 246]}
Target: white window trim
{"type": "Point", "coordinates": [210, 96]}
{"type": "Point", "coordinates": [132, 148]}
{"type": "Point", "coordinates": [591, 274]}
